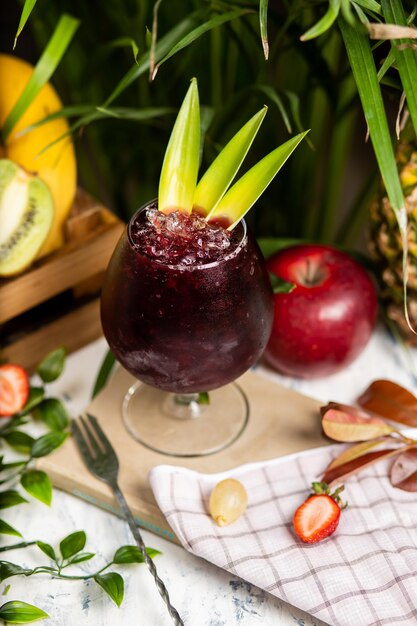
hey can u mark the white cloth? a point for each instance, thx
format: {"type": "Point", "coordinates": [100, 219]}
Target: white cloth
{"type": "Point", "coordinates": [363, 575]}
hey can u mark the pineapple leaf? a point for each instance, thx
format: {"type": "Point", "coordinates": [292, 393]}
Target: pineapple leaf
{"type": "Point", "coordinates": [178, 179]}
{"type": "Point", "coordinates": [244, 193]}
{"type": "Point", "coordinates": [405, 56]}
{"type": "Point", "coordinates": [222, 171]}
{"type": "Point", "coordinates": [364, 71]}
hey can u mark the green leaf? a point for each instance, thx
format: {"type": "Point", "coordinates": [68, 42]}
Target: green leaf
{"type": "Point", "coordinates": [405, 56]}
{"type": "Point", "coordinates": [104, 372]}
{"type": "Point", "coordinates": [52, 366]}
{"type": "Point", "coordinates": [10, 498]}
{"type": "Point", "coordinates": [37, 484]}
{"type": "Point", "coordinates": [132, 554]}
{"type": "Point", "coordinates": [263, 20]}
{"type": "Point", "coordinates": [47, 443]}
{"type": "Point", "coordinates": [47, 549]}
{"type": "Point", "coordinates": [207, 25]}
{"type": "Point", "coordinates": [20, 441]}
{"type": "Point", "coordinates": [26, 11]}
{"type": "Point", "coordinates": [81, 557]}
{"type": "Point", "coordinates": [53, 413]}
{"type": "Point", "coordinates": [43, 71]}
{"type": "Point", "coordinates": [325, 22]}
{"type": "Point", "coordinates": [113, 585]}
{"type": "Point", "coordinates": [36, 395]}
{"type": "Point", "coordinates": [203, 397]}
{"type": "Point", "coordinates": [178, 178]}
{"type": "Point", "coordinates": [364, 71]}
{"type": "Point", "coordinates": [279, 285]}
{"type": "Point", "coordinates": [123, 42]}
{"type": "Point", "coordinates": [222, 171]}
{"type": "Point", "coordinates": [271, 93]}
{"type": "Point", "coordinates": [17, 612]}
{"type": "Point", "coordinates": [7, 570]}
{"type": "Point", "coordinates": [163, 46]}
{"type": "Point", "coordinates": [370, 5]}
{"type": "Point", "coordinates": [244, 193]}
{"type": "Point", "coordinates": [6, 529]}
{"type": "Point", "coordinates": [72, 544]}
{"type": "Point", "coordinates": [7, 466]}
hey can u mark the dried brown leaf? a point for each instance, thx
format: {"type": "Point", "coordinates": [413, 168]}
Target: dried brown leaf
{"type": "Point", "coordinates": [404, 471]}
{"type": "Point", "coordinates": [347, 423]}
{"type": "Point", "coordinates": [339, 474]}
{"type": "Point", "coordinates": [391, 31]}
{"type": "Point", "coordinates": [391, 401]}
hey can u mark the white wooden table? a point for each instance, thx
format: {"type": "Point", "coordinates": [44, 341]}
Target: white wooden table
{"type": "Point", "coordinates": [203, 594]}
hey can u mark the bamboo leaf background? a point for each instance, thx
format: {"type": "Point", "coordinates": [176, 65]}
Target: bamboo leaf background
{"type": "Point", "coordinates": [323, 192]}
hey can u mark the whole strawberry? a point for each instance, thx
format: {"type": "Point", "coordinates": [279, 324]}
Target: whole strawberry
{"type": "Point", "coordinates": [318, 517]}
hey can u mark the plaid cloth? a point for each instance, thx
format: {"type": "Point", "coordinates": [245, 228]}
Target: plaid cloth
{"type": "Point", "coordinates": [363, 575]}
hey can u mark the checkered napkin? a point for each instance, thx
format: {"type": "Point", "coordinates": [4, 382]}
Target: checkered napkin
{"type": "Point", "coordinates": [365, 574]}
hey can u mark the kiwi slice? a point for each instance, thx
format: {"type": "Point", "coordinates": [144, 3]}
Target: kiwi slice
{"type": "Point", "coordinates": [26, 214]}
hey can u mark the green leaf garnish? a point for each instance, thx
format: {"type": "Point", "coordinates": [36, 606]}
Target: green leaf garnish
{"type": "Point", "coordinates": [37, 484]}
{"type": "Point", "coordinates": [20, 441]}
{"type": "Point", "coordinates": [47, 443]}
{"type": "Point", "coordinates": [222, 171]}
{"type": "Point", "coordinates": [6, 529]}
{"type": "Point", "coordinates": [113, 585]}
{"type": "Point", "coordinates": [178, 178]}
{"type": "Point", "coordinates": [36, 395]}
{"type": "Point", "coordinates": [53, 413]}
{"type": "Point", "coordinates": [72, 544]}
{"type": "Point", "coordinates": [132, 554]}
{"type": "Point", "coordinates": [51, 367]}
{"type": "Point", "coordinates": [17, 612]}
{"type": "Point", "coordinates": [10, 498]}
{"type": "Point", "coordinates": [244, 193]}
{"type": "Point", "coordinates": [47, 549]}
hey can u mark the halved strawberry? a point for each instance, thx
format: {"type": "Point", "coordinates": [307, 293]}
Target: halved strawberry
{"type": "Point", "coordinates": [14, 389]}
{"type": "Point", "coordinates": [319, 515]}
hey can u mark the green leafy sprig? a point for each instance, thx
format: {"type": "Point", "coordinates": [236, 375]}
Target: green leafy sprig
{"type": "Point", "coordinates": [71, 552]}
{"type": "Point", "coordinates": [53, 414]}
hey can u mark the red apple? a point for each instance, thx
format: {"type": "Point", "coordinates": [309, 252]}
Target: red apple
{"type": "Point", "coordinates": [325, 322]}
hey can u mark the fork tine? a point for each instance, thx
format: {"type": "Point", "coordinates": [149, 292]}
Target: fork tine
{"type": "Point", "coordinates": [79, 437]}
{"type": "Point", "coordinates": [89, 437]}
{"type": "Point", "coordinates": [100, 434]}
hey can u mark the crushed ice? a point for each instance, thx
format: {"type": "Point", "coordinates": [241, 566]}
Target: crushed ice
{"type": "Point", "coordinates": [179, 238]}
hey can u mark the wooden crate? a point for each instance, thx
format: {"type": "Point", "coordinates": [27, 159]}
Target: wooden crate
{"type": "Point", "coordinates": [56, 301]}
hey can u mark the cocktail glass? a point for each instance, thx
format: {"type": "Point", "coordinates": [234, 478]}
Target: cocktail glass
{"type": "Point", "coordinates": [186, 332]}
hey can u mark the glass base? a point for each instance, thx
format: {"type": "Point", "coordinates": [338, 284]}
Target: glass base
{"type": "Point", "coordinates": [178, 425]}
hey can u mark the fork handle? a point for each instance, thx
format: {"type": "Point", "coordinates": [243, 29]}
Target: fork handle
{"type": "Point", "coordinates": [149, 562]}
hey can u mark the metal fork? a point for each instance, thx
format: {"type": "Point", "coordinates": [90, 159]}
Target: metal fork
{"type": "Point", "coordinates": [102, 461]}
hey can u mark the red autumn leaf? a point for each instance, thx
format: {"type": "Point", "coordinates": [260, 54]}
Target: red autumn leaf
{"type": "Point", "coordinates": [385, 398]}
{"type": "Point", "coordinates": [347, 423]}
{"type": "Point", "coordinates": [340, 473]}
{"type": "Point", "coordinates": [404, 471]}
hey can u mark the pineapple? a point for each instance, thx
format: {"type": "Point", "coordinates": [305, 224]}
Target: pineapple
{"type": "Point", "coordinates": [386, 247]}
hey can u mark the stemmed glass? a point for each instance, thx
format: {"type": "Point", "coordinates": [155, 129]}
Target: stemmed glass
{"type": "Point", "coordinates": [184, 330]}
{"type": "Point", "coordinates": [187, 303]}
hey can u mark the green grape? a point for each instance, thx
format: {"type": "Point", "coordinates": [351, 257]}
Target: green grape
{"type": "Point", "coordinates": [228, 501]}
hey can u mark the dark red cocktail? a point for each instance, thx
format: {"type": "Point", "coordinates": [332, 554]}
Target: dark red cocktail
{"type": "Point", "coordinates": [186, 308]}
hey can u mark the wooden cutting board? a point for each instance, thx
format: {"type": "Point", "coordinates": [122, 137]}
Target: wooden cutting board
{"type": "Point", "coordinates": [281, 421]}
